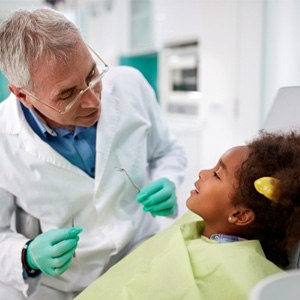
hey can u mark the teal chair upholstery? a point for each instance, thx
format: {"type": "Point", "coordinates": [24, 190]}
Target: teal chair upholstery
{"type": "Point", "coordinates": [4, 91]}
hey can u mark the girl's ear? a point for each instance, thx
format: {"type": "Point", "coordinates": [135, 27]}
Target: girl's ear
{"type": "Point", "coordinates": [20, 95]}
{"type": "Point", "coordinates": [242, 216]}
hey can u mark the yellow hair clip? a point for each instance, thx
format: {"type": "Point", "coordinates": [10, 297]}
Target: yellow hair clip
{"type": "Point", "coordinates": [268, 186]}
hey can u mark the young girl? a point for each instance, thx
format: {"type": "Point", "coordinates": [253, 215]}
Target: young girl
{"type": "Point", "coordinates": [249, 204]}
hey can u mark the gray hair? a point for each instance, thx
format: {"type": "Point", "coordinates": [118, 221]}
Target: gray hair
{"type": "Point", "coordinates": [26, 37]}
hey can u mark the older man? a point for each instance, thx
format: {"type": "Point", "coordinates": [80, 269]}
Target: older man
{"type": "Point", "coordinates": [68, 144]}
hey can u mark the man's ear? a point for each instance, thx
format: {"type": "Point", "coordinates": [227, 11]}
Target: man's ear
{"type": "Point", "coordinates": [242, 216]}
{"type": "Point", "coordinates": [20, 95]}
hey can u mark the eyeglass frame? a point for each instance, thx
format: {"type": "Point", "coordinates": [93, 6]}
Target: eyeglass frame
{"type": "Point", "coordinates": [91, 84]}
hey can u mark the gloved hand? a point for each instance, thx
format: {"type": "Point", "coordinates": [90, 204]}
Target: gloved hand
{"type": "Point", "coordinates": [51, 252]}
{"type": "Point", "coordinates": [158, 197]}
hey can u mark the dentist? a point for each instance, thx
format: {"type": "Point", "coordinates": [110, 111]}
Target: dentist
{"type": "Point", "coordinates": [66, 128]}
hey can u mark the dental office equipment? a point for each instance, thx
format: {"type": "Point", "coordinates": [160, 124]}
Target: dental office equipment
{"type": "Point", "coordinates": [134, 185]}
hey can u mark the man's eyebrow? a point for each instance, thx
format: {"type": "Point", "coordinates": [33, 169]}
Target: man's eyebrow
{"type": "Point", "coordinates": [74, 87]}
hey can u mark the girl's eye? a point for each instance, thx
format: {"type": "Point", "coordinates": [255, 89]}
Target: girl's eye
{"type": "Point", "coordinates": [216, 175]}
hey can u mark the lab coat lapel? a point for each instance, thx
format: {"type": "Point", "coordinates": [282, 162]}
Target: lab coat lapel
{"type": "Point", "coordinates": [106, 131]}
{"type": "Point", "coordinates": [30, 142]}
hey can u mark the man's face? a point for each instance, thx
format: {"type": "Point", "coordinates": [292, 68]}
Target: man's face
{"type": "Point", "coordinates": [59, 85]}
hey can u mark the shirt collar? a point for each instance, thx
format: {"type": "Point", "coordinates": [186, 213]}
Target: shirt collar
{"type": "Point", "coordinates": [43, 127]}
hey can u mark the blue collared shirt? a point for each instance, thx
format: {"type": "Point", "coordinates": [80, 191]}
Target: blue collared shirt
{"type": "Point", "coordinates": [78, 147]}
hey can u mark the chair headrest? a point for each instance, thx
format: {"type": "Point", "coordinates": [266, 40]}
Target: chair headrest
{"type": "Point", "coordinates": [285, 115]}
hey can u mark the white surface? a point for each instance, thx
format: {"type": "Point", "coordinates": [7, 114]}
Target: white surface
{"type": "Point", "coordinates": [278, 287]}
{"type": "Point", "coordinates": [284, 113]}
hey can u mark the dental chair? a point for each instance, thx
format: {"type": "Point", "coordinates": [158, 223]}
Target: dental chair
{"type": "Point", "coordinates": [285, 111]}
{"type": "Point", "coordinates": [277, 287]}
{"type": "Point", "coordinates": [284, 115]}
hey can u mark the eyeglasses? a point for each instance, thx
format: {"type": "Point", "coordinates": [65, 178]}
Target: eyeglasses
{"type": "Point", "coordinates": [63, 106]}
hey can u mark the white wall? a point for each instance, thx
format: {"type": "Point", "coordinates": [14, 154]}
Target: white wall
{"type": "Point", "coordinates": [249, 68]}
{"type": "Point", "coordinates": [175, 20]}
{"type": "Point", "coordinates": [104, 27]}
{"type": "Point", "coordinates": [281, 48]}
{"type": "Point", "coordinates": [7, 6]}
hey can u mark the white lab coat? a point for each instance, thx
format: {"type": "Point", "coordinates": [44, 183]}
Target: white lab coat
{"type": "Point", "coordinates": [132, 134]}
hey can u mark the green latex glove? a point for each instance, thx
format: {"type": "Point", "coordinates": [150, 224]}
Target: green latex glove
{"type": "Point", "coordinates": [52, 251]}
{"type": "Point", "coordinates": [158, 197]}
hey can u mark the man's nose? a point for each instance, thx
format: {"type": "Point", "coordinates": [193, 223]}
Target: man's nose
{"type": "Point", "coordinates": [90, 98]}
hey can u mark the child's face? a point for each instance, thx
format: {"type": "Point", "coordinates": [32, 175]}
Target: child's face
{"type": "Point", "coordinates": [212, 197]}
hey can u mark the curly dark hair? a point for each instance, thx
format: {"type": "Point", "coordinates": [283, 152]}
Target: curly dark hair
{"type": "Point", "coordinates": [276, 225]}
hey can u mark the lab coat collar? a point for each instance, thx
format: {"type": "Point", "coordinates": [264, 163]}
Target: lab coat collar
{"type": "Point", "coordinates": [28, 141]}
{"type": "Point", "coordinates": [11, 107]}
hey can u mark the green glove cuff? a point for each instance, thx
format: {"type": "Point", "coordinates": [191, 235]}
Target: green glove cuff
{"type": "Point", "coordinates": [28, 258]}
{"type": "Point", "coordinates": [27, 270]}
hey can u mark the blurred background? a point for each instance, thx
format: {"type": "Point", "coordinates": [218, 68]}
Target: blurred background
{"type": "Point", "coordinates": [215, 65]}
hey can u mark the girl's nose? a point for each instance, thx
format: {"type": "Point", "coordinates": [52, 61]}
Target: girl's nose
{"type": "Point", "coordinates": [203, 174]}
